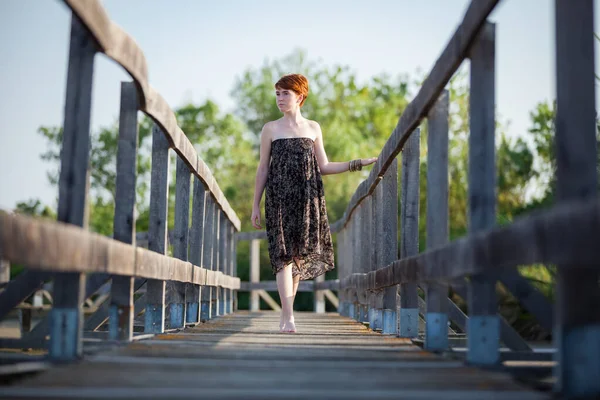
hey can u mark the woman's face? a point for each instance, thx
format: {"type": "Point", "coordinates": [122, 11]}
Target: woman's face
{"type": "Point", "coordinates": [287, 100]}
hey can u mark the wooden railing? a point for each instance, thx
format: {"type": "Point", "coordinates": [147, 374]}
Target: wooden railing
{"type": "Point", "coordinates": [198, 283]}
{"type": "Point", "coordinates": [373, 274]}
{"type": "Point", "coordinates": [323, 290]}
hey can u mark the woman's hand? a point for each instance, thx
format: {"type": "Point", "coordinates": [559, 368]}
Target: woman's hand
{"type": "Point", "coordinates": [368, 161]}
{"type": "Point", "coordinates": [256, 217]}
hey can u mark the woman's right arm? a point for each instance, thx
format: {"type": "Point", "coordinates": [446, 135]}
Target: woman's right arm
{"type": "Point", "coordinates": [261, 174]}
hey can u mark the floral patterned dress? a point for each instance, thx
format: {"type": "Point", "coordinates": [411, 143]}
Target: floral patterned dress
{"type": "Point", "coordinates": [295, 210]}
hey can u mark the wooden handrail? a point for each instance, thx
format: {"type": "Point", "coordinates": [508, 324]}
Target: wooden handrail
{"type": "Point", "coordinates": [121, 47]}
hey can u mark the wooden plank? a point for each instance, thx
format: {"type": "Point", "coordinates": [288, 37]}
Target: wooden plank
{"type": "Point", "coordinates": [269, 300]}
{"type": "Point", "coordinates": [4, 271]}
{"type": "Point", "coordinates": [66, 317]}
{"type": "Point", "coordinates": [118, 45]}
{"type": "Point", "coordinates": [389, 244]}
{"type": "Point", "coordinates": [409, 220]}
{"type": "Point", "coordinates": [531, 298]}
{"type": "Point", "coordinates": [331, 284]}
{"type": "Point", "coordinates": [484, 324]}
{"type": "Point", "coordinates": [205, 295]}
{"type": "Point", "coordinates": [175, 291]}
{"type": "Point", "coordinates": [271, 286]}
{"type": "Point", "coordinates": [240, 355]}
{"type": "Point", "coordinates": [508, 335]}
{"type": "Point", "coordinates": [444, 68]}
{"type": "Point", "coordinates": [436, 317]}
{"type": "Point", "coordinates": [215, 295]}
{"type": "Point", "coordinates": [222, 256]}
{"type": "Point", "coordinates": [255, 274]}
{"type": "Point", "coordinates": [122, 287]}
{"type": "Point", "coordinates": [20, 288]}
{"type": "Point", "coordinates": [562, 234]}
{"type": "Point", "coordinates": [192, 293]}
{"type": "Point", "coordinates": [232, 267]}
{"type": "Point", "coordinates": [154, 318]}
{"type": "Point", "coordinates": [100, 316]}
{"type": "Point", "coordinates": [577, 333]}
{"type": "Point", "coordinates": [332, 298]}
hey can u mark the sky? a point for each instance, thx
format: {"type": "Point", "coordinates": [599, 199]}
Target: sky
{"type": "Point", "coordinates": [196, 49]}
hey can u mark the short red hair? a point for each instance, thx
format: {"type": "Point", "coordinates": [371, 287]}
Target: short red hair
{"type": "Point", "coordinates": [295, 82]}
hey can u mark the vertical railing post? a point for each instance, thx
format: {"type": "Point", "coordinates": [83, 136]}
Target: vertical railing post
{"type": "Point", "coordinates": [230, 263]}
{"type": "Point", "coordinates": [176, 290]}
{"type": "Point", "coordinates": [363, 253]}
{"type": "Point", "coordinates": [121, 313]}
{"type": "Point", "coordinates": [367, 251]}
{"type": "Point", "coordinates": [341, 265]}
{"type": "Point", "coordinates": [355, 263]}
{"type": "Point", "coordinates": [206, 291]}
{"type": "Point", "coordinates": [409, 297]}
{"type": "Point", "coordinates": [234, 271]}
{"type": "Point", "coordinates": [319, 300]}
{"type": "Point", "coordinates": [4, 271]}
{"type": "Point", "coordinates": [375, 243]}
{"type": "Point", "coordinates": [483, 325]}
{"type": "Point", "coordinates": [154, 320]}
{"type": "Point", "coordinates": [254, 272]}
{"type": "Point", "coordinates": [66, 317]}
{"type": "Point", "coordinates": [192, 292]}
{"type": "Point", "coordinates": [222, 260]}
{"type": "Point", "coordinates": [215, 259]}
{"type": "Point", "coordinates": [389, 244]}
{"type": "Point", "coordinates": [577, 332]}
{"type": "Point", "coordinates": [436, 294]}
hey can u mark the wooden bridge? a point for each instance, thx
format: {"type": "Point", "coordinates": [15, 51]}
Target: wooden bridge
{"type": "Point", "coordinates": [169, 327]}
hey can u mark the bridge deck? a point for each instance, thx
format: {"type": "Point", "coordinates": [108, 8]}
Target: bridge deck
{"type": "Point", "coordinates": [243, 356]}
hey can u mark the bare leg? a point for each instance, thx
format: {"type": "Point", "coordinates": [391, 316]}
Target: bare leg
{"type": "Point", "coordinates": [285, 287]}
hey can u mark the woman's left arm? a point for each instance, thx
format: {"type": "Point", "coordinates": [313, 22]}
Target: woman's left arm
{"type": "Point", "coordinates": [330, 168]}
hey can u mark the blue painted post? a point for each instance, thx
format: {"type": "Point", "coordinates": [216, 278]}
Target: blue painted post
{"type": "Point", "coordinates": [192, 294]}
{"type": "Point", "coordinates": [409, 300]}
{"type": "Point", "coordinates": [206, 292]}
{"type": "Point", "coordinates": [436, 294]}
{"type": "Point", "coordinates": [66, 316]}
{"type": "Point", "coordinates": [222, 259]}
{"type": "Point", "coordinates": [121, 314]}
{"type": "Point", "coordinates": [389, 244]}
{"type": "Point", "coordinates": [231, 263]}
{"type": "Point", "coordinates": [176, 290]}
{"type": "Point", "coordinates": [215, 259]}
{"type": "Point", "coordinates": [577, 331]}
{"type": "Point", "coordinates": [157, 231]}
{"type": "Point", "coordinates": [483, 327]}
{"type": "Point", "coordinates": [376, 298]}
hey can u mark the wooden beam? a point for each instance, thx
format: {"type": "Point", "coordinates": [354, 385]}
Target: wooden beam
{"type": "Point", "coordinates": [409, 236]}
{"type": "Point", "coordinates": [436, 316]}
{"type": "Point", "coordinates": [565, 233]}
{"type": "Point", "coordinates": [122, 287]}
{"type": "Point", "coordinates": [66, 316]}
{"type": "Point", "coordinates": [577, 334]}
{"type": "Point", "coordinates": [122, 48]}
{"type": "Point", "coordinates": [444, 68]}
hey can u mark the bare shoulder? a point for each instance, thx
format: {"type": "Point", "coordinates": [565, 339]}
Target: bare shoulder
{"type": "Point", "coordinates": [315, 128]}
{"type": "Point", "coordinates": [268, 129]}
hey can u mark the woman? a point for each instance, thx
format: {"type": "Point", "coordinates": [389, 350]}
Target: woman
{"type": "Point", "coordinates": [292, 160]}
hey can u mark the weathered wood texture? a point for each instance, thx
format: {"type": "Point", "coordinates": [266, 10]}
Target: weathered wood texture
{"type": "Point", "coordinates": [484, 327]}
{"type": "Point", "coordinates": [243, 356]}
{"type": "Point", "coordinates": [121, 312]}
{"type": "Point", "coordinates": [122, 48]}
{"type": "Point", "coordinates": [577, 334]}
{"type": "Point", "coordinates": [445, 66]}
{"type": "Point", "coordinates": [563, 234]}
{"type": "Point", "coordinates": [436, 294]}
{"type": "Point", "coordinates": [66, 318]}
{"type": "Point", "coordinates": [53, 246]}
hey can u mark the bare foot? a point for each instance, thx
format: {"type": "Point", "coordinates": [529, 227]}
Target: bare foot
{"type": "Point", "coordinates": [288, 327]}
